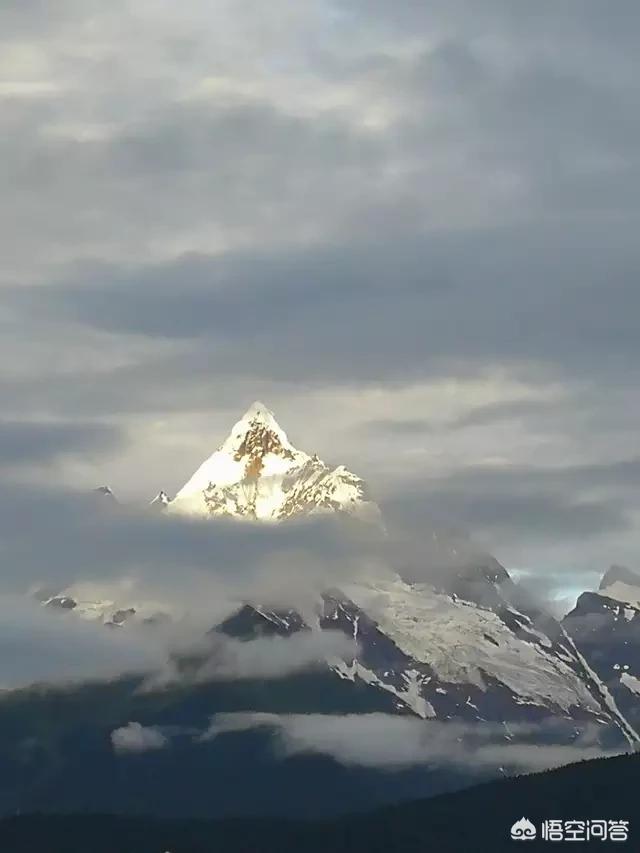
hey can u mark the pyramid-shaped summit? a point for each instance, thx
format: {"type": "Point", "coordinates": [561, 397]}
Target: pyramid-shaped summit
{"type": "Point", "coordinates": [257, 473]}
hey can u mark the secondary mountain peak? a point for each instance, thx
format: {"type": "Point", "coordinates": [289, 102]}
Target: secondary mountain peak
{"type": "Point", "coordinates": [160, 501]}
{"type": "Point", "coordinates": [105, 492]}
{"type": "Point", "coordinates": [619, 574]}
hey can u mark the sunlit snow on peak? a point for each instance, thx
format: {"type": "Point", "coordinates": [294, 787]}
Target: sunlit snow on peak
{"type": "Point", "coordinates": [258, 474]}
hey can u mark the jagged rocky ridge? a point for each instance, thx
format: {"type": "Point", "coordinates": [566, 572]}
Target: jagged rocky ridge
{"type": "Point", "coordinates": [443, 657]}
{"type": "Point", "coordinates": [605, 626]}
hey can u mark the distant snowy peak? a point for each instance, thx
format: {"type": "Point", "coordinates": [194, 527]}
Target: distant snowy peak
{"type": "Point", "coordinates": [258, 474]}
{"type": "Point", "coordinates": [160, 501]}
{"type": "Point", "coordinates": [621, 584]}
{"type": "Point", "coordinates": [105, 492]}
{"type": "Point", "coordinates": [605, 626]}
{"type": "Point", "coordinates": [106, 603]}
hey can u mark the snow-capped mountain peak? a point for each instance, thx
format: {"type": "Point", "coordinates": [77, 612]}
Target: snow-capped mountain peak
{"type": "Point", "coordinates": [258, 431]}
{"type": "Point", "coordinates": [258, 473]}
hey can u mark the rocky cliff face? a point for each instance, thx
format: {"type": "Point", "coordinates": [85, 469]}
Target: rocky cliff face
{"type": "Point", "coordinates": [605, 626]}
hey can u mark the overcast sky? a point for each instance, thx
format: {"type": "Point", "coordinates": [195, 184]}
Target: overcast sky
{"type": "Point", "coordinates": [410, 228]}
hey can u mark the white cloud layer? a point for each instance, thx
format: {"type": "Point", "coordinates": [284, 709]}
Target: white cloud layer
{"type": "Point", "coordinates": [225, 659]}
{"type": "Point", "coordinates": [41, 646]}
{"type": "Point", "coordinates": [381, 740]}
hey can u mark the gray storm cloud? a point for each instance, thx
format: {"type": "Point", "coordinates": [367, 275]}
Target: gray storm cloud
{"type": "Point", "coordinates": [55, 538]}
{"type": "Point", "coordinates": [24, 442]}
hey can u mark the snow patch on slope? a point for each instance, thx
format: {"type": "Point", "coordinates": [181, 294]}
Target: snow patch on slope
{"type": "Point", "coordinates": [464, 643]}
{"type": "Point", "coordinates": [608, 700]}
{"type": "Point", "coordinates": [411, 697]}
{"type": "Point", "coordinates": [630, 682]}
{"type": "Point", "coordinates": [622, 592]}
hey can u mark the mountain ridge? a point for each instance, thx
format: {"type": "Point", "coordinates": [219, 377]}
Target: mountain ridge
{"type": "Point", "coordinates": [467, 646]}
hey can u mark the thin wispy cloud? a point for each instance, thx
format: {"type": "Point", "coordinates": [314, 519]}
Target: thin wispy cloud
{"type": "Point", "coordinates": [391, 742]}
